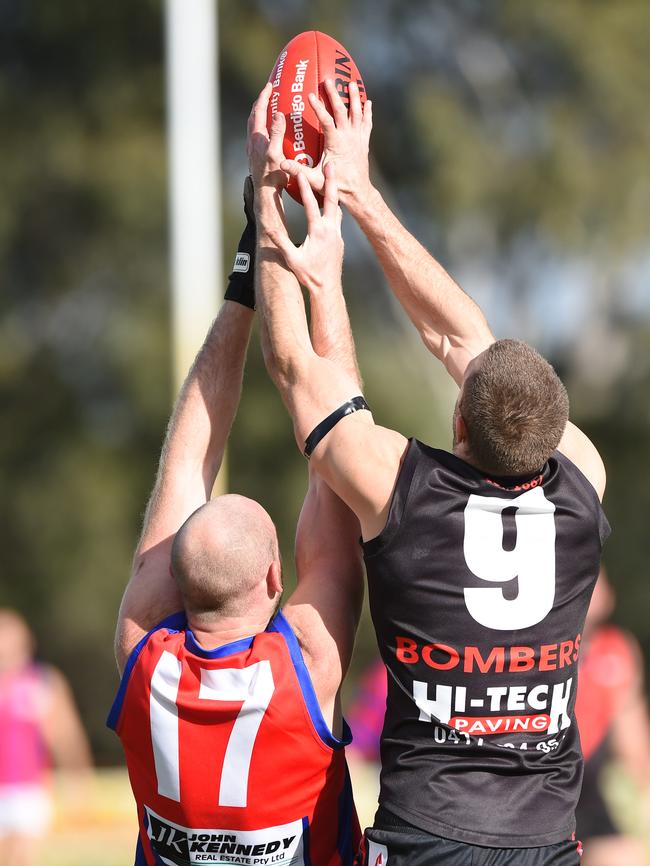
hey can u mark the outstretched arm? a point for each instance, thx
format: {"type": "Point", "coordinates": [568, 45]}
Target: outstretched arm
{"type": "Point", "coordinates": [325, 607]}
{"type": "Point", "coordinates": [451, 325]}
{"type": "Point", "coordinates": [189, 463]}
{"type": "Point", "coordinates": [449, 322]}
{"type": "Point", "coordinates": [359, 460]}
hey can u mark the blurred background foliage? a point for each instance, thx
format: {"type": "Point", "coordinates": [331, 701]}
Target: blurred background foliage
{"type": "Point", "coordinates": [512, 137]}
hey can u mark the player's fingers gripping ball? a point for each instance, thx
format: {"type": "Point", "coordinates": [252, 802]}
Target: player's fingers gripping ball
{"type": "Point", "coordinates": [302, 68]}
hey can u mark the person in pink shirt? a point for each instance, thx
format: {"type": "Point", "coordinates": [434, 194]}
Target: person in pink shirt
{"type": "Point", "coordinates": [38, 725]}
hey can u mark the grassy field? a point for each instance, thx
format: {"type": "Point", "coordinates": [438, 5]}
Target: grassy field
{"type": "Point", "coordinates": [101, 830]}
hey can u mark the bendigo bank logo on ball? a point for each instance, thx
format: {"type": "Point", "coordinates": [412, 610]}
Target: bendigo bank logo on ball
{"type": "Point", "coordinates": [301, 69]}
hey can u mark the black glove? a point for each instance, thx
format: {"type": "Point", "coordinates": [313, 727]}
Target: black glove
{"type": "Point", "coordinates": [241, 282]}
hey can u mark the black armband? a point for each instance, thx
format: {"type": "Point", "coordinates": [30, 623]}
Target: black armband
{"type": "Point", "coordinates": [241, 282]}
{"type": "Point", "coordinates": [322, 429]}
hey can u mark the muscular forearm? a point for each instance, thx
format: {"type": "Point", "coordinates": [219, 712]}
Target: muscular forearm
{"type": "Point", "coordinates": [191, 457]}
{"type": "Point", "coordinates": [203, 414]}
{"type": "Point", "coordinates": [286, 340]}
{"type": "Point", "coordinates": [449, 322]}
{"type": "Point", "coordinates": [310, 384]}
{"type": "Point", "coordinates": [331, 334]}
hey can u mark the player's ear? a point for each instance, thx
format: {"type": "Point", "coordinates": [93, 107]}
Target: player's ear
{"type": "Point", "coordinates": [460, 428]}
{"type": "Point", "coordinates": [274, 579]}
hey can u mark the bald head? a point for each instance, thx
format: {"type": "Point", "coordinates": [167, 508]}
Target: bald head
{"type": "Point", "coordinates": [222, 554]}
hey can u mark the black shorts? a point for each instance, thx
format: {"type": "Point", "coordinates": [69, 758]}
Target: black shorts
{"type": "Point", "coordinates": [406, 846]}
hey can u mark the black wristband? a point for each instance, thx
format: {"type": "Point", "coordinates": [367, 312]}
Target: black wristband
{"type": "Point", "coordinates": [322, 429]}
{"type": "Point", "coordinates": [241, 282]}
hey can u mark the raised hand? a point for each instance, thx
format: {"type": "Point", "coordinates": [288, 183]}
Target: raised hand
{"type": "Point", "coordinates": [264, 150]}
{"type": "Point", "coordinates": [347, 139]}
{"type": "Point", "coordinates": [318, 261]}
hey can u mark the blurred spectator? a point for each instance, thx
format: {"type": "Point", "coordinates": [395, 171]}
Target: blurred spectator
{"type": "Point", "coordinates": [38, 725]}
{"type": "Point", "coordinates": [366, 714]}
{"type": "Point", "coordinates": [366, 719]}
{"type": "Point", "coordinates": [614, 725]}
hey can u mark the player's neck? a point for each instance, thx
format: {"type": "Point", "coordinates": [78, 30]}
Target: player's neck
{"type": "Point", "coordinates": [211, 635]}
{"type": "Point", "coordinates": [461, 451]}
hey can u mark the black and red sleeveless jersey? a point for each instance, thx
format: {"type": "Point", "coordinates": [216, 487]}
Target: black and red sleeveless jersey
{"type": "Point", "coordinates": [479, 590]}
{"type": "Point", "coordinates": [229, 756]}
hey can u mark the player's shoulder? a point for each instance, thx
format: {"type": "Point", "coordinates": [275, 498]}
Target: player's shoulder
{"type": "Point", "coordinates": [302, 628]}
{"type": "Point", "coordinates": [312, 648]}
{"type": "Point", "coordinates": [437, 457]}
{"type": "Point", "coordinates": [576, 446]}
{"type": "Point", "coordinates": [169, 631]}
{"type": "Point", "coordinates": [167, 634]}
{"type": "Point", "coordinates": [443, 472]}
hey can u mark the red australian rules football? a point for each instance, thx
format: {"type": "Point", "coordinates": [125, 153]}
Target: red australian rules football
{"type": "Point", "coordinates": [301, 69]}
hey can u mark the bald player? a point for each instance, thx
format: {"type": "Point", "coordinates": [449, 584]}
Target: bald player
{"type": "Point", "coordinates": [229, 708]}
{"type": "Point", "coordinates": [480, 561]}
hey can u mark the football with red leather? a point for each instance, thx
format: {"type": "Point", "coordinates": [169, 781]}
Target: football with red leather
{"type": "Point", "coordinates": [301, 69]}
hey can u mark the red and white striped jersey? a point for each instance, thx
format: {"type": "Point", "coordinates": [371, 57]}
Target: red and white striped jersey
{"type": "Point", "coordinates": [228, 753]}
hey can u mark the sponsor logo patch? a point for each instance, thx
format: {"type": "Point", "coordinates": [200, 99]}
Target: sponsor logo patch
{"type": "Point", "coordinates": [185, 846]}
{"type": "Point", "coordinates": [242, 263]}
